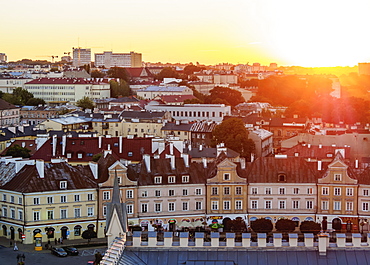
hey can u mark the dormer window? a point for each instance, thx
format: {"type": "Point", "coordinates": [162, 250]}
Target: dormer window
{"type": "Point", "coordinates": [296, 154]}
{"type": "Point", "coordinates": [157, 180]}
{"type": "Point", "coordinates": [185, 179]}
{"type": "Point", "coordinates": [171, 179]}
{"type": "Point", "coordinates": [226, 176]}
{"type": "Point", "coordinates": [63, 184]}
{"type": "Point", "coordinates": [79, 155]}
{"type": "Point", "coordinates": [281, 178]}
{"type": "Point", "coordinates": [337, 177]}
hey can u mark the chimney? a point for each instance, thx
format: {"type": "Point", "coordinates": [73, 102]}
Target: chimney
{"type": "Point", "coordinates": [108, 147]}
{"type": "Point", "coordinates": [64, 144]}
{"type": "Point", "coordinates": [320, 146]}
{"type": "Point", "coordinates": [189, 147]}
{"type": "Point", "coordinates": [171, 148]}
{"type": "Point", "coordinates": [200, 148]}
{"type": "Point", "coordinates": [54, 145]}
{"type": "Point", "coordinates": [23, 144]}
{"type": "Point", "coordinates": [186, 159]}
{"type": "Point", "coordinates": [94, 169]}
{"type": "Point", "coordinates": [204, 159]}
{"type": "Point", "coordinates": [242, 162]}
{"type": "Point", "coordinates": [252, 157]}
{"type": "Point", "coordinates": [356, 163]}
{"type": "Point", "coordinates": [319, 165]}
{"type": "Point", "coordinates": [308, 145]}
{"type": "Point", "coordinates": [100, 140]}
{"type": "Point", "coordinates": [120, 144]}
{"type": "Point", "coordinates": [40, 168]}
{"type": "Point", "coordinates": [106, 152]}
{"type": "Point", "coordinates": [147, 162]}
{"type": "Point", "coordinates": [173, 162]}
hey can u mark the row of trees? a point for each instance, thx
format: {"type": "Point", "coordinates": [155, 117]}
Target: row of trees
{"type": "Point", "coordinates": [263, 225]}
{"type": "Point", "coordinates": [21, 97]}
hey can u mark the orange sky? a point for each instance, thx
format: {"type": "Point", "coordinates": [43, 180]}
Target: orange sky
{"type": "Point", "coordinates": [288, 32]}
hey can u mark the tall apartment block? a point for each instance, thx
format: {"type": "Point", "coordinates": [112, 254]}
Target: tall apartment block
{"type": "Point", "coordinates": [81, 57]}
{"type": "Point", "coordinates": [110, 59]}
{"type": "Point", "coordinates": [3, 58]}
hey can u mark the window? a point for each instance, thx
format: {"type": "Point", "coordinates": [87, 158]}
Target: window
{"type": "Point", "coordinates": [36, 201]}
{"type": "Point", "coordinates": [171, 179]}
{"type": "Point", "coordinates": [185, 206]}
{"type": "Point", "coordinates": [144, 207]}
{"type": "Point", "coordinates": [349, 192]}
{"type": "Point", "coordinates": [63, 213]}
{"type": "Point", "coordinates": [238, 205]}
{"type": "Point", "coordinates": [171, 206]}
{"type": "Point", "coordinates": [12, 213]}
{"type": "Point", "coordinates": [50, 214]}
{"type": "Point", "coordinates": [198, 205]}
{"type": "Point", "coordinates": [104, 210]}
{"type": "Point", "coordinates": [337, 177]}
{"type": "Point", "coordinates": [20, 200]}
{"type": "Point", "coordinates": [36, 216]}
{"type": "Point", "coordinates": [90, 211]}
{"type": "Point", "coordinates": [325, 205]}
{"type": "Point", "coordinates": [77, 212]}
{"type": "Point", "coordinates": [171, 193]}
{"type": "Point", "coordinates": [365, 192]}
{"type": "Point", "coordinates": [50, 200]}
{"type": "Point", "coordinates": [129, 194]}
{"type": "Point", "coordinates": [63, 198]}
{"type": "Point", "coordinates": [267, 190]}
{"type": "Point", "coordinates": [214, 205]}
{"type": "Point", "coordinates": [185, 179]}
{"type": "Point", "coordinates": [157, 207]}
{"type": "Point", "coordinates": [349, 206]}
{"type": "Point", "coordinates": [281, 191]}
{"type": "Point", "coordinates": [226, 205]}
{"type": "Point", "coordinates": [226, 176]}
{"type": "Point", "coordinates": [63, 184]}
{"type": "Point", "coordinates": [198, 191]}
{"type": "Point", "coordinates": [12, 199]}
{"type": "Point", "coordinates": [254, 204]}
{"type": "Point", "coordinates": [185, 192]}
{"type": "Point", "coordinates": [295, 205]}
{"type": "Point", "coordinates": [157, 180]}
{"type": "Point", "coordinates": [5, 212]}
{"type": "Point", "coordinates": [254, 191]}
{"type": "Point", "coordinates": [281, 178]}
{"type": "Point", "coordinates": [77, 230]}
{"type": "Point", "coordinates": [238, 190]}
{"type": "Point", "coordinates": [295, 191]}
{"type": "Point", "coordinates": [157, 193]}
{"type": "Point", "coordinates": [267, 204]}
{"type": "Point", "coordinates": [90, 197]}
{"type": "Point", "coordinates": [20, 214]}
{"type": "Point", "coordinates": [325, 191]}
{"type": "Point", "coordinates": [130, 208]}
{"type": "Point", "coordinates": [337, 191]}
{"type": "Point", "coordinates": [77, 198]}
{"type": "Point", "coordinates": [4, 197]}
{"type": "Point", "coordinates": [144, 193]}
{"type": "Point", "coordinates": [226, 190]}
{"type": "Point", "coordinates": [365, 206]}
{"type": "Point", "coordinates": [214, 191]}
{"type": "Point", "coordinates": [309, 190]}
{"type": "Point", "coordinates": [309, 204]}
{"type": "Point", "coordinates": [106, 195]}
{"type": "Point", "coordinates": [281, 204]}
{"type": "Point", "coordinates": [337, 206]}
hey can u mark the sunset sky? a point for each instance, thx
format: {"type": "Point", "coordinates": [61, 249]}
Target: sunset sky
{"type": "Point", "coordinates": [288, 32]}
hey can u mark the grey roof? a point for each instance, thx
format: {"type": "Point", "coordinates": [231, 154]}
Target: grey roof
{"type": "Point", "coordinates": [164, 88]}
{"type": "Point", "coordinates": [223, 256]}
{"type": "Point", "coordinates": [170, 126]}
{"type": "Point", "coordinates": [210, 152]}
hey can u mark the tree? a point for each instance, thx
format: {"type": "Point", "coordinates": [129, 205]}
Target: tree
{"type": "Point", "coordinates": [285, 225]}
{"type": "Point", "coordinates": [191, 69]}
{"type": "Point", "coordinates": [262, 225]}
{"type": "Point", "coordinates": [234, 135]}
{"type": "Point", "coordinates": [96, 157]}
{"type": "Point", "coordinates": [119, 72]}
{"type": "Point", "coordinates": [19, 97]}
{"type": "Point", "coordinates": [310, 227]}
{"type": "Point", "coordinates": [231, 96]}
{"type": "Point", "coordinates": [35, 102]}
{"type": "Point", "coordinates": [167, 72]}
{"type": "Point", "coordinates": [85, 103]}
{"type": "Point", "coordinates": [97, 74]}
{"type": "Point", "coordinates": [18, 151]}
{"type": "Point", "coordinates": [120, 88]}
{"type": "Point", "coordinates": [88, 234]}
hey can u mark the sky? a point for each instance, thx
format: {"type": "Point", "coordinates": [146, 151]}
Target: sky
{"type": "Point", "coordinates": [286, 32]}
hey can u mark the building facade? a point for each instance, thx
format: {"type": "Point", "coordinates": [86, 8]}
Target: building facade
{"type": "Point", "coordinates": [110, 59]}
{"type": "Point", "coordinates": [81, 57]}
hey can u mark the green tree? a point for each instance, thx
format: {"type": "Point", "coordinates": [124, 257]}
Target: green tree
{"type": "Point", "coordinates": [191, 69]}
{"type": "Point", "coordinates": [35, 102]}
{"type": "Point", "coordinates": [85, 103]}
{"type": "Point", "coordinates": [285, 225]}
{"type": "Point", "coordinates": [310, 227]}
{"type": "Point", "coordinates": [231, 96]}
{"type": "Point", "coordinates": [120, 88]}
{"type": "Point", "coordinates": [119, 72]}
{"type": "Point", "coordinates": [19, 96]}
{"type": "Point", "coordinates": [234, 135]}
{"type": "Point", "coordinates": [88, 234]}
{"type": "Point", "coordinates": [97, 74]}
{"type": "Point", "coordinates": [96, 157]}
{"type": "Point", "coordinates": [18, 151]}
{"type": "Point", "coordinates": [167, 72]}
{"type": "Point", "coordinates": [262, 225]}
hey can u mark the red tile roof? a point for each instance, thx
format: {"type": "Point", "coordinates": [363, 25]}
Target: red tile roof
{"type": "Point", "coordinates": [66, 81]}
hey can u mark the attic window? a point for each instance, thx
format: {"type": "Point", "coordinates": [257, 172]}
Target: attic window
{"type": "Point", "coordinates": [129, 154]}
{"type": "Point", "coordinates": [157, 180]}
{"type": "Point", "coordinates": [185, 179]}
{"type": "Point", "coordinates": [63, 184]}
{"type": "Point", "coordinates": [296, 154]}
{"type": "Point", "coordinates": [171, 179]}
{"type": "Point", "coordinates": [329, 155]}
{"type": "Point", "coordinates": [69, 155]}
{"type": "Point", "coordinates": [79, 155]}
{"type": "Point", "coordinates": [281, 178]}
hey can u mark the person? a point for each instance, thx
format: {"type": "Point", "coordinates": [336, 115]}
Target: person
{"type": "Point", "coordinates": [56, 241]}
{"type": "Point", "coordinates": [15, 247]}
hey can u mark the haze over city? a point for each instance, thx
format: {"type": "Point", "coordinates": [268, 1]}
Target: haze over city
{"type": "Point", "coordinates": [287, 32]}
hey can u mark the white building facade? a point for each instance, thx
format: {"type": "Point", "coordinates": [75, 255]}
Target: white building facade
{"type": "Point", "coordinates": [110, 59]}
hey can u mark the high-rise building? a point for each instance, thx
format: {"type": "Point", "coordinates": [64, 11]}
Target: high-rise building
{"type": "Point", "coordinates": [3, 58]}
{"type": "Point", "coordinates": [110, 59]}
{"type": "Point", "coordinates": [81, 56]}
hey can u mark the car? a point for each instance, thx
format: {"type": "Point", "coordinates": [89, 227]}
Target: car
{"type": "Point", "coordinates": [71, 250]}
{"type": "Point", "coordinates": [60, 252]}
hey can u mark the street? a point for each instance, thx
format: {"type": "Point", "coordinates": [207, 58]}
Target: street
{"type": "Point", "coordinates": [9, 257]}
